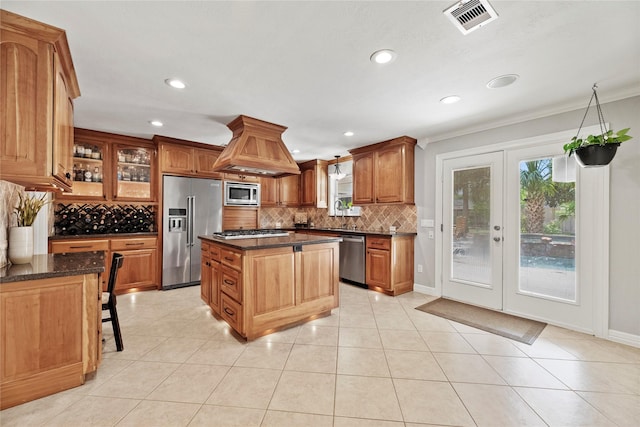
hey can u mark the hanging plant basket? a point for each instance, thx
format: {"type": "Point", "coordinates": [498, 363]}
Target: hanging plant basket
{"type": "Point", "coordinates": [596, 150]}
{"type": "Point", "coordinates": [596, 155]}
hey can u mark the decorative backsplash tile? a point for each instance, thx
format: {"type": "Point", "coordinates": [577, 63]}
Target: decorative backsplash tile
{"type": "Point", "coordinates": [87, 219]}
{"type": "Point", "coordinates": [373, 217]}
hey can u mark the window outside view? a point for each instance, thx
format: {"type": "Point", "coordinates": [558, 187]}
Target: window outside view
{"type": "Point", "coordinates": [547, 232]}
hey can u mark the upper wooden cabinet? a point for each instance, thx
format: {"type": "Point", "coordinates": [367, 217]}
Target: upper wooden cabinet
{"type": "Point", "coordinates": [283, 191]}
{"type": "Point", "coordinates": [37, 86]}
{"type": "Point", "coordinates": [313, 183]}
{"type": "Point", "coordinates": [126, 168]}
{"type": "Point", "coordinates": [186, 158]}
{"type": "Point", "coordinates": [384, 172]}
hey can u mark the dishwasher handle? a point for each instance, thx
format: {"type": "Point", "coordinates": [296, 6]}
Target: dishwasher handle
{"type": "Point", "coordinates": [353, 239]}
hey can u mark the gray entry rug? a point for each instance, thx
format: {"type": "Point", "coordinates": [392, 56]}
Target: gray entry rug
{"type": "Point", "coordinates": [506, 325]}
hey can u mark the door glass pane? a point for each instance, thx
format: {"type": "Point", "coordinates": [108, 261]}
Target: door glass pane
{"type": "Point", "coordinates": [547, 232]}
{"type": "Point", "coordinates": [471, 249]}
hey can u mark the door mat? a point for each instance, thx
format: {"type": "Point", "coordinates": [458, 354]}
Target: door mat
{"type": "Point", "coordinates": [506, 325]}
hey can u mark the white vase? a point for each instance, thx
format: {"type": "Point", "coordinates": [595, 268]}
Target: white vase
{"type": "Point", "coordinates": [20, 245]}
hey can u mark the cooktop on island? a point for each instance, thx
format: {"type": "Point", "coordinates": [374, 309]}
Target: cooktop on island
{"type": "Point", "coordinates": [250, 234]}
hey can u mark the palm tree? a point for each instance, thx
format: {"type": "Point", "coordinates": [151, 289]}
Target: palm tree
{"type": "Point", "coordinates": [535, 183]}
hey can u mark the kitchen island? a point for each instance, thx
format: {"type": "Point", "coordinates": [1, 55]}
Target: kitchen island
{"type": "Point", "coordinates": [261, 285]}
{"type": "Point", "coordinates": [50, 325]}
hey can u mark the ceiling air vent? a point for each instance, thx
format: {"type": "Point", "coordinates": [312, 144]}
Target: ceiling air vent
{"type": "Point", "coordinates": [471, 14]}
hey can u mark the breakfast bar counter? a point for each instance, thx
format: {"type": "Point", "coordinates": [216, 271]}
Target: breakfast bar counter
{"type": "Point", "coordinates": [261, 285]}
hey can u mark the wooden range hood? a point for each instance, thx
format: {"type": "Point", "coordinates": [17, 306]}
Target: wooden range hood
{"type": "Point", "coordinates": [256, 148]}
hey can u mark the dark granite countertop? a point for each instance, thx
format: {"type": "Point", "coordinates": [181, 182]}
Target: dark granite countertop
{"type": "Point", "coordinates": [103, 236]}
{"type": "Point", "coordinates": [54, 265]}
{"type": "Point", "coordinates": [361, 232]}
{"type": "Point", "coordinates": [293, 239]}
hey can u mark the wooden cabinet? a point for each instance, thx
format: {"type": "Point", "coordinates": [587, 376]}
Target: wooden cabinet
{"type": "Point", "coordinates": [126, 168]}
{"type": "Point", "coordinates": [210, 276]}
{"type": "Point", "coordinates": [389, 264]}
{"type": "Point", "coordinates": [384, 172]}
{"type": "Point", "coordinates": [263, 290]}
{"type": "Point", "coordinates": [50, 333]}
{"type": "Point", "coordinates": [235, 177]}
{"type": "Point", "coordinates": [140, 266]}
{"type": "Point", "coordinates": [283, 191]}
{"type": "Point", "coordinates": [37, 86]}
{"type": "Point", "coordinates": [90, 154]}
{"type": "Point", "coordinates": [363, 191]}
{"type": "Point", "coordinates": [239, 218]}
{"type": "Point", "coordinates": [134, 179]}
{"type": "Point", "coordinates": [314, 183]}
{"type": "Point", "coordinates": [186, 158]}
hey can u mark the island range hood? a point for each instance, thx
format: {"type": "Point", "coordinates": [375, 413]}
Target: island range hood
{"type": "Point", "coordinates": [256, 148]}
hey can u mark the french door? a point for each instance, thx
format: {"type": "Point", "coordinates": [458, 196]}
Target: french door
{"type": "Point", "coordinates": [518, 238]}
{"type": "Point", "coordinates": [472, 229]}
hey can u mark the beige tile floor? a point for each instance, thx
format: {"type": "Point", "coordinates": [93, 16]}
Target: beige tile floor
{"type": "Point", "coordinates": [375, 362]}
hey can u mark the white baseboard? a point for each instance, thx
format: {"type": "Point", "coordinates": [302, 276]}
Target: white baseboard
{"type": "Point", "coordinates": [427, 290]}
{"type": "Point", "coordinates": [624, 338]}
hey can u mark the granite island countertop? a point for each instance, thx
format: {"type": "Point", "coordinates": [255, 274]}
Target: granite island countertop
{"type": "Point", "coordinates": [293, 239]}
{"type": "Point", "coordinates": [46, 266]}
{"type": "Point", "coordinates": [351, 231]}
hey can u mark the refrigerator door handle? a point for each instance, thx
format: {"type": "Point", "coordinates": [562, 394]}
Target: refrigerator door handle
{"type": "Point", "coordinates": [192, 219]}
{"type": "Point", "coordinates": [189, 220]}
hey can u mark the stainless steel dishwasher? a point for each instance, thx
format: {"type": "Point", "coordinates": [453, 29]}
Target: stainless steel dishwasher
{"type": "Point", "coordinates": [352, 258]}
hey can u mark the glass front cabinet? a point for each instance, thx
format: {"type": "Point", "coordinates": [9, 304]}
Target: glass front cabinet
{"type": "Point", "coordinates": [133, 172]}
{"type": "Point", "coordinates": [90, 161]}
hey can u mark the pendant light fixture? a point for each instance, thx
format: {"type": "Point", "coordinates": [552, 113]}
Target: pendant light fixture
{"type": "Point", "coordinates": [337, 174]}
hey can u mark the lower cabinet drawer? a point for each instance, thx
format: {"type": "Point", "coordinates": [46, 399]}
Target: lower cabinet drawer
{"type": "Point", "coordinates": [133, 243]}
{"type": "Point", "coordinates": [231, 283]}
{"type": "Point", "coordinates": [231, 311]}
{"type": "Point", "coordinates": [67, 246]}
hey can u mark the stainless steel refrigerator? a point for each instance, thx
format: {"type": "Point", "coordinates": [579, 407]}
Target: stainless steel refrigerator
{"type": "Point", "coordinates": [191, 207]}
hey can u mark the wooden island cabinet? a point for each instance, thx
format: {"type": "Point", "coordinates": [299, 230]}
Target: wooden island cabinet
{"type": "Point", "coordinates": [50, 325]}
{"type": "Point", "coordinates": [259, 286]}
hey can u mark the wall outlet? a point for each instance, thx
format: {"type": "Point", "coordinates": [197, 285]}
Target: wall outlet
{"type": "Point", "coordinates": [278, 225]}
{"type": "Point", "coordinates": [419, 268]}
{"type": "Point", "coordinates": [392, 229]}
{"type": "Point", "coordinates": [431, 235]}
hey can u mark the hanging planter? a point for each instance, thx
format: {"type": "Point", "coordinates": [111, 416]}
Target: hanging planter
{"type": "Point", "coordinates": [596, 150]}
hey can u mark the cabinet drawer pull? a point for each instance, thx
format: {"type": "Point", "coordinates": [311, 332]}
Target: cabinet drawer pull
{"type": "Point", "coordinates": [229, 312]}
{"type": "Point", "coordinates": [80, 247]}
{"type": "Point", "coordinates": [134, 244]}
{"type": "Point", "coordinates": [228, 259]}
{"type": "Point", "coordinates": [229, 282]}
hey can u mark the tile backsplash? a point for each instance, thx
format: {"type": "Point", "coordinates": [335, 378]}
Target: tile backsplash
{"type": "Point", "coordinates": [373, 217]}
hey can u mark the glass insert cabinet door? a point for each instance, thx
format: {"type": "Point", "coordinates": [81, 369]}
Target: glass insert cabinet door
{"type": "Point", "coordinates": [88, 169]}
{"type": "Point", "coordinates": [134, 175]}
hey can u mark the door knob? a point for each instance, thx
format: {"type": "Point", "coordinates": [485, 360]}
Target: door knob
{"type": "Point", "coordinates": [496, 227]}
{"type": "Point", "coordinates": [496, 239]}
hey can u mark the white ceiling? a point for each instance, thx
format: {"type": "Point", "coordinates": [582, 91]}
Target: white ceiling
{"type": "Point", "coordinates": [305, 65]}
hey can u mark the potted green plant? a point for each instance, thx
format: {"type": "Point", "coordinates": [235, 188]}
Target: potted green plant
{"type": "Point", "coordinates": [597, 150]}
{"type": "Point", "coordinates": [21, 237]}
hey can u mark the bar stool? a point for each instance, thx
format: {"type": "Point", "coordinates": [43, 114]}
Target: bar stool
{"type": "Point", "coordinates": [110, 297]}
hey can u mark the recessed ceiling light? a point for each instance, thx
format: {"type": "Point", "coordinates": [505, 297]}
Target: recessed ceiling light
{"type": "Point", "coordinates": [451, 99]}
{"type": "Point", "coordinates": [175, 83]}
{"type": "Point", "coordinates": [348, 133]}
{"type": "Point", "coordinates": [295, 151]}
{"type": "Point", "coordinates": [502, 81]}
{"type": "Point", "coordinates": [383, 56]}
{"type": "Point", "coordinates": [156, 123]}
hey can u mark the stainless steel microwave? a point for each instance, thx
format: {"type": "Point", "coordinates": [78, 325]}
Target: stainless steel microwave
{"type": "Point", "coordinates": [241, 194]}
